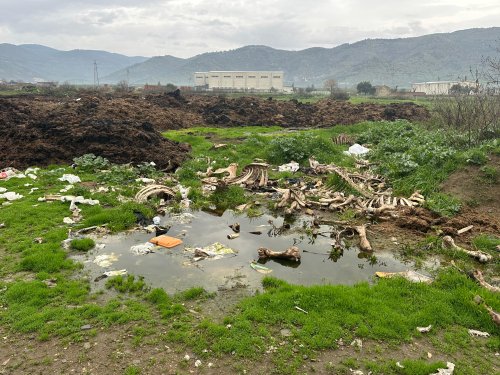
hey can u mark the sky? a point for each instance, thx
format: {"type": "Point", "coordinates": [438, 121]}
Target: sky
{"type": "Point", "coordinates": [185, 28]}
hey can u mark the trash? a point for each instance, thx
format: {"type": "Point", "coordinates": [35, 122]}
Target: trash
{"type": "Point", "coordinates": [187, 357]}
{"type": "Point", "coordinates": [105, 260]}
{"type": "Point", "coordinates": [2, 190]}
{"type": "Point", "coordinates": [11, 196]}
{"type": "Point", "coordinates": [399, 365]}
{"type": "Point", "coordinates": [215, 251]}
{"type": "Point", "coordinates": [142, 249]}
{"type": "Point", "coordinates": [197, 363]}
{"type": "Point", "coordinates": [235, 227]}
{"type": "Point", "coordinates": [232, 236]}
{"type": "Point", "coordinates": [473, 332]}
{"type": "Point", "coordinates": [2, 225]}
{"type": "Point", "coordinates": [256, 232]}
{"type": "Point", "coordinates": [408, 275]}
{"type": "Point", "coordinates": [301, 310]}
{"type": "Point", "coordinates": [290, 167]}
{"type": "Point", "coordinates": [156, 220]}
{"type": "Point", "coordinates": [424, 329]}
{"type": "Point", "coordinates": [115, 273]}
{"type": "Point", "coordinates": [85, 327]}
{"type": "Point", "coordinates": [450, 367]}
{"type": "Point", "coordinates": [260, 268]}
{"type": "Point", "coordinates": [8, 173]}
{"type": "Point", "coordinates": [68, 198]}
{"type": "Point", "coordinates": [357, 150]}
{"type": "Point", "coordinates": [71, 178]}
{"type": "Point", "coordinates": [66, 188]}
{"type": "Point", "coordinates": [292, 253]}
{"type": "Point", "coordinates": [165, 241]}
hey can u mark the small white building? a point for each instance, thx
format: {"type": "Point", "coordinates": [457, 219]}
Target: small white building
{"type": "Point", "coordinates": [264, 81]}
{"type": "Point", "coordinates": [440, 87]}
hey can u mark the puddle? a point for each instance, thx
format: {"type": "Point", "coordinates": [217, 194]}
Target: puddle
{"type": "Point", "coordinates": [174, 270]}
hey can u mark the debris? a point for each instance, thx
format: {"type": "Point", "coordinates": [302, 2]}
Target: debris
{"type": "Point", "coordinates": [364, 244]}
{"type": "Point", "coordinates": [410, 275]}
{"type": "Point", "coordinates": [232, 236]}
{"type": "Point", "coordinates": [466, 229]}
{"type": "Point", "coordinates": [156, 220]}
{"type": "Point", "coordinates": [165, 241]}
{"type": "Point", "coordinates": [449, 243]}
{"type": "Point", "coordinates": [187, 357]}
{"type": "Point", "coordinates": [105, 260]}
{"type": "Point", "coordinates": [399, 365]}
{"type": "Point", "coordinates": [450, 367]}
{"type": "Point", "coordinates": [142, 249]}
{"type": "Point", "coordinates": [473, 332]}
{"type": "Point", "coordinates": [290, 167]}
{"type": "Point", "coordinates": [145, 180]}
{"type": "Point", "coordinates": [11, 196]}
{"type": "Point", "coordinates": [215, 251]}
{"type": "Point", "coordinates": [68, 220]}
{"type": "Point", "coordinates": [260, 268]}
{"type": "Point", "coordinates": [292, 253]}
{"type": "Point", "coordinates": [357, 150]}
{"type": "Point", "coordinates": [424, 329]}
{"type": "Point", "coordinates": [235, 227]}
{"type": "Point", "coordinates": [70, 178]}
{"type": "Point", "coordinates": [115, 273]}
{"type": "Point", "coordinates": [301, 310]}
{"type": "Point", "coordinates": [149, 191]}
{"type": "Point", "coordinates": [256, 232]}
{"type": "Point", "coordinates": [197, 363]}
{"type": "Point", "coordinates": [86, 327]}
{"type": "Point", "coordinates": [358, 343]}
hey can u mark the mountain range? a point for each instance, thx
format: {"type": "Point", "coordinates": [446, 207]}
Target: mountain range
{"type": "Point", "coordinates": [395, 62]}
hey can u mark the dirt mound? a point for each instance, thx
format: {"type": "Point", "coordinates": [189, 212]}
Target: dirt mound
{"type": "Point", "coordinates": [254, 111]}
{"type": "Point", "coordinates": [39, 132]}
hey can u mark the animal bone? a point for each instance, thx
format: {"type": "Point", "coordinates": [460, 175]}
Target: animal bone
{"type": "Point", "coordinates": [364, 244]}
{"type": "Point", "coordinates": [449, 243]}
{"type": "Point", "coordinates": [153, 190]}
{"type": "Point", "coordinates": [478, 275]}
{"type": "Point", "coordinates": [292, 253]}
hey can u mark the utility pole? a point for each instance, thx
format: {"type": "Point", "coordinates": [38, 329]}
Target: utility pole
{"type": "Point", "coordinates": [96, 76]}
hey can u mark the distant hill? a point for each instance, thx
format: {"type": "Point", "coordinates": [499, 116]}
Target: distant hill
{"type": "Point", "coordinates": [395, 62]}
{"type": "Point", "coordinates": [31, 62]}
{"type": "Point", "coordinates": [382, 61]}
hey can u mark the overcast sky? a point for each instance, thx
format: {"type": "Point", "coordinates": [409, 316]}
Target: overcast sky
{"type": "Point", "coordinates": [185, 28]}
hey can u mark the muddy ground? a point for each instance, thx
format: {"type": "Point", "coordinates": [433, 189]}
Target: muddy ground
{"type": "Point", "coordinates": [38, 130]}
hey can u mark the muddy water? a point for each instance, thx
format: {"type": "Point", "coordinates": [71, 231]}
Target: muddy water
{"type": "Point", "coordinates": [174, 269]}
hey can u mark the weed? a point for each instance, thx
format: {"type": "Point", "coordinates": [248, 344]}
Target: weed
{"type": "Point", "coordinates": [228, 197]}
{"type": "Point", "coordinates": [486, 242]}
{"type": "Point", "coordinates": [127, 283]}
{"type": "Point", "coordinates": [490, 174]}
{"type": "Point", "coordinates": [444, 204]}
{"type": "Point", "coordinates": [82, 244]}
{"type": "Point", "coordinates": [132, 370]}
{"type": "Point", "coordinates": [91, 163]}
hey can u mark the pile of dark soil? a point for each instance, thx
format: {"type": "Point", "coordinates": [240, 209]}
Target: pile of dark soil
{"type": "Point", "coordinates": [40, 132]}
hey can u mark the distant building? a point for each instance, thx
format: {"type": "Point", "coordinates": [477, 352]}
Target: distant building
{"type": "Point", "coordinates": [440, 87]}
{"type": "Point", "coordinates": [264, 81]}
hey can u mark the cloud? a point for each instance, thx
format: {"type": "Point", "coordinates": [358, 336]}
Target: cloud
{"type": "Point", "coordinates": [188, 27]}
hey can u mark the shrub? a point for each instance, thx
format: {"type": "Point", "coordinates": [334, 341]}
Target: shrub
{"type": "Point", "coordinates": [444, 204]}
{"type": "Point", "coordinates": [91, 162]}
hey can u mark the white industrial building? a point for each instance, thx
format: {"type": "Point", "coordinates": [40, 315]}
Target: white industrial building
{"type": "Point", "coordinates": [264, 81]}
{"type": "Point", "coordinates": [440, 87]}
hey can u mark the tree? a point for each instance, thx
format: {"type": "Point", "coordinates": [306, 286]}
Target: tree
{"type": "Point", "coordinates": [330, 85]}
{"type": "Point", "coordinates": [366, 88]}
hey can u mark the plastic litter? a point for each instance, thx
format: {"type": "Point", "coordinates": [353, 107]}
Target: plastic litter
{"type": "Point", "coordinates": [145, 180]}
{"type": "Point", "coordinates": [142, 249]}
{"type": "Point", "coordinates": [214, 251]}
{"type": "Point", "coordinates": [2, 190]}
{"type": "Point", "coordinates": [115, 273]}
{"type": "Point", "coordinates": [68, 220]}
{"type": "Point", "coordinates": [71, 178]}
{"type": "Point", "coordinates": [260, 268]}
{"type": "Point", "coordinates": [105, 260]}
{"type": "Point", "coordinates": [450, 367]}
{"type": "Point", "coordinates": [357, 150]}
{"type": "Point", "coordinates": [165, 241]}
{"type": "Point", "coordinates": [290, 167]}
{"type": "Point", "coordinates": [156, 220]}
{"type": "Point", "coordinates": [11, 196]}
{"type": "Point", "coordinates": [408, 275]}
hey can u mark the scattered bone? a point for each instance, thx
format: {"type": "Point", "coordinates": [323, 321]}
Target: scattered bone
{"type": "Point", "coordinates": [364, 244]}
{"type": "Point", "coordinates": [449, 243]}
{"type": "Point", "coordinates": [231, 170]}
{"type": "Point", "coordinates": [232, 236]}
{"type": "Point", "coordinates": [494, 315]}
{"type": "Point", "coordinates": [450, 367]}
{"type": "Point", "coordinates": [466, 229]}
{"type": "Point", "coordinates": [149, 191]}
{"type": "Point", "coordinates": [476, 333]}
{"type": "Point", "coordinates": [478, 275]}
{"type": "Point", "coordinates": [235, 227]}
{"type": "Point", "coordinates": [424, 329]}
{"type": "Point", "coordinates": [292, 253]}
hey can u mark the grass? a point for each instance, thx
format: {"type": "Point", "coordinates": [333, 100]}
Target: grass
{"type": "Point", "coordinates": [82, 244]}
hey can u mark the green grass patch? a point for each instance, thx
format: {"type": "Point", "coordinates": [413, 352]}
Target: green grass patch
{"type": "Point", "coordinates": [444, 204]}
{"type": "Point", "coordinates": [82, 244]}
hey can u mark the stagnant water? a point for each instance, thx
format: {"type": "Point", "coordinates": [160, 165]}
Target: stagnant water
{"type": "Point", "coordinates": [174, 270]}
